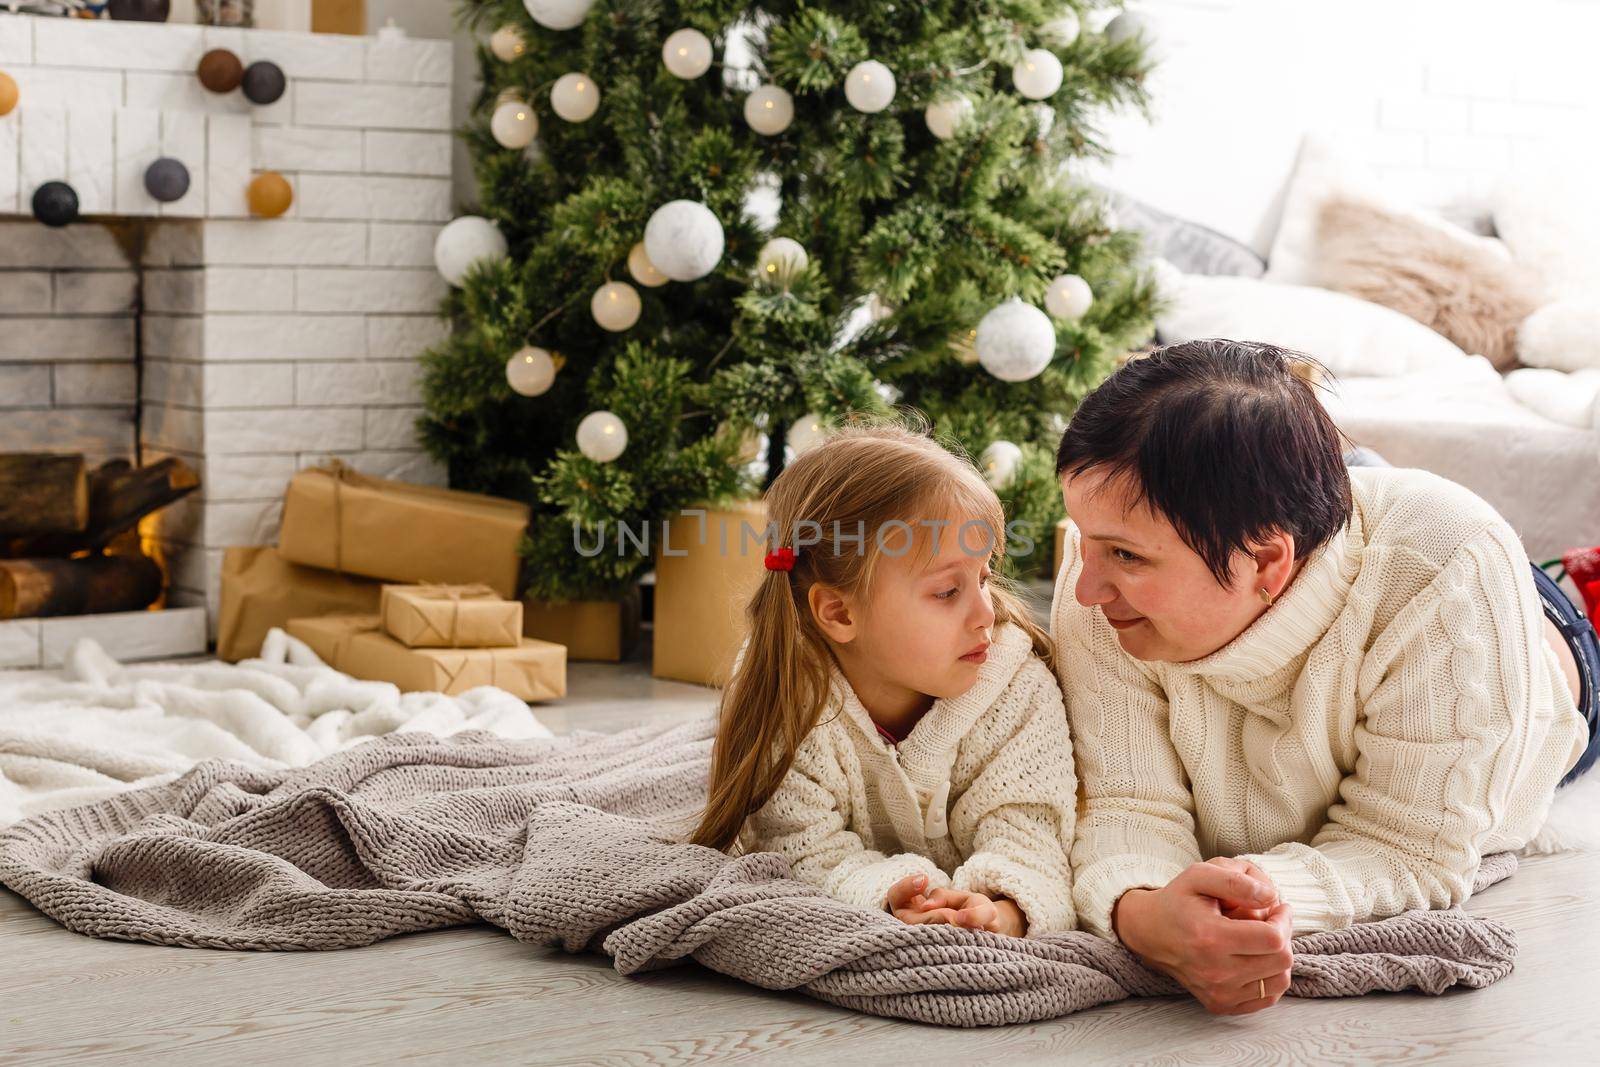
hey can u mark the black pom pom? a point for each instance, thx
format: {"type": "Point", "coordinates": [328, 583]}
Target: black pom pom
{"type": "Point", "coordinates": [167, 180]}
{"type": "Point", "coordinates": [55, 203]}
{"type": "Point", "coordinates": [264, 82]}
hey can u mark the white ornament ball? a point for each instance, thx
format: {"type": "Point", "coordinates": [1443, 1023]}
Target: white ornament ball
{"type": "Point", "coordinates": [1015, 341]}
{"type": "Point", "coordinates": [558, 14]}
{"type": "Point", "coordinates": [781, 258]}
{"type": "Point", "coordinates": [869, 86]}
{"type": "Point", "coordinates": [514, 124]}
{"type": "Point", "coordinates": [508, 43]}
{"type": "Point", "coordinates": [999, 463]}
{"type": "Point", "coordinates": [806, 432]}
{"type": "Point", "coordinates": [1062, 31]}
{"type": "Point", "coordinates": [1037, 74]}
{"type": "Point", "coordinates": [615, 306]}
{"type": "Point", "coordinates": [644, 272]}
{"type": "Point", "coordinates": [769, 110]}
{"type": "Point", "coordinates": [464, 242]}
{"type": "Point", "coordinates": [684, 240]}
{"type": "Point", "coordinates": [602, 436]}
{"type": "Point", "coordinates": [1068, 297]}
{"type": "Point", "coordinates": [531, 371]}
{"type": "Point", "coordinates": [945, 116]}
{"type": "Point", "coordinates": [1126, 27]}
{"type": "Point", "coordinates": [687, 53]}
{"type": "Point", "coordinates": [575, 97]}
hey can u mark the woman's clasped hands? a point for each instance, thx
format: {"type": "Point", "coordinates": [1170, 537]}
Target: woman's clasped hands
{"type": "Point", "coordinates": [1219, 928]}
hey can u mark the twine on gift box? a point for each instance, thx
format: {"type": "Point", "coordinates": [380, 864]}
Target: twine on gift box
{"type": "Point", "coordinates": [455, 594]}
{"type": "Point", "coordinates": [340, 472]}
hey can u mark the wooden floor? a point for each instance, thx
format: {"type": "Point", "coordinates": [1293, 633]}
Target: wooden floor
{"type": "Point", "coordinates": [475, 995]}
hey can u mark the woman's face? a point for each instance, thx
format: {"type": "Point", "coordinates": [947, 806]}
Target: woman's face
{"type": "Point", "coordinates": [1155, 591]}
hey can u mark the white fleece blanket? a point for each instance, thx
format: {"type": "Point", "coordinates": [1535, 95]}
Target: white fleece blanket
{"type": "Point", "coordinates": [98, 728]}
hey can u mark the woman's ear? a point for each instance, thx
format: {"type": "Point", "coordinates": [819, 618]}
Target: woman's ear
{"type": "Point", "coordinates": [832, 613]}
{"type": "Point", "coordinates": [1274, 562]}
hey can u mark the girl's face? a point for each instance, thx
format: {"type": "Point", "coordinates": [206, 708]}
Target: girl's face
{"type": "Point", "coordinates": [923, 629]}
{"type": "Point", "coordinates": [1156, 591]}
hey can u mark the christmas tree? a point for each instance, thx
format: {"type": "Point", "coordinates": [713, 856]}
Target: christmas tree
{"type": "Point", "coordinates": [725, 224]}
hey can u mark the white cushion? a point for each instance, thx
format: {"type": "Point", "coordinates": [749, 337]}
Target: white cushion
{"type": "Point", "coordinates": [1564, 335]}
{"type": "Point", "coordinates": [1350, 336]}
{"type": "Point", "coordinates": [1322, 171]}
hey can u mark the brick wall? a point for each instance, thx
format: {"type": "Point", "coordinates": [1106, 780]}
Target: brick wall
{"type": "Point", "coordinates": [264, 345]}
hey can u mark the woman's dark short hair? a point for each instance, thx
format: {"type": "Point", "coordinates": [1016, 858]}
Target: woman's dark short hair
{"type": "Point", "coordinates": [1222, 438]}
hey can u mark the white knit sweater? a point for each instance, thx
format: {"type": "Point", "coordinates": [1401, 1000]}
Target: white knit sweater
{"type": "Point", "coordinates": [1395, 716]}
{"type": "Point", "coordinates": [980, 796]}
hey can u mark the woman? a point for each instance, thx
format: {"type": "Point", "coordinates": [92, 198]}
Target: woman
{"type": "Point", "coordinates": [1336, 685]}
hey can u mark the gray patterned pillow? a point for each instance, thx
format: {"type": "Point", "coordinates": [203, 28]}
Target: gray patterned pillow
{"type": "Point", "coordinates": [1189, 246]}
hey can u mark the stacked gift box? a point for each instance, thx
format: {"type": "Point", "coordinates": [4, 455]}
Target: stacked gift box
{"type": "Point", "coordinates": [439, 638]}
{"type": "Point", "coordinates": [404, 583]}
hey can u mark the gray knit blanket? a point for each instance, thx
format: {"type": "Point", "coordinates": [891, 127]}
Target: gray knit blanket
{"type": "Point", "coordinates": [571, 841]}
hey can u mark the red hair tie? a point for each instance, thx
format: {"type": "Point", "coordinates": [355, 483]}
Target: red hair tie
{"type": "Point", "coordinates": [781, 560]}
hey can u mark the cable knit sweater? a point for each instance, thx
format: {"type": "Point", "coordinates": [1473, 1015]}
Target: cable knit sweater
{"type": "Point", "coordinates": [1395, 716]}
{"type": "Point", "coordinates": [980, 796]}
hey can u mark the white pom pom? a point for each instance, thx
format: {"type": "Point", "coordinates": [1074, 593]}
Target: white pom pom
{"type": "Point", "coordinates": [644, 272]}
{"type": "Point", "coordinates": [1068, 297]}
{"type": "Point", "coordinates": [769, 110]}
{"type": "Point", "coordinates": [687, 53]}
{"type": "Point", "coordinates": [514, 124]}
{"type": "Point", "coordinates": [465, 242]}
{"type": "Point", "coordinates": [781, 258]}
{"type": "Point", "coordinates": [508, 43]}
{"type": "Point", "coordinates": [1062, 31]}
{"type": "Point", "coordinates": [558, 14]}
{"type": "Point", "coordinates": [602, 436]}
{"type": "Point", "coordinates": [869, 86]}
{"type": "Point", "coordinates": [1037, 74]}
{"type": "Point", "coordinates": [1015, 341]}
{"type": "Point", "coordinates": [575, 97]}
{"type": "Point", "coordinates": [945, 116]}
{"type": "Point", "coordinates": [615, 306]}
{"type": "Point", "coordinates": [1126, 27]}
{"type": "Point", "coordinates": [806, 432]}
{"type": "Point", "coordinates": [531, 372]}
{"type": "Point", "coordinates": [684, 240]}
{"type": "Point", "coordinates": [999, 463]}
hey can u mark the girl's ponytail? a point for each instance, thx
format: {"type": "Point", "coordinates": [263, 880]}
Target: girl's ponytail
{"type": "Point", "coordinates": [775, 697]}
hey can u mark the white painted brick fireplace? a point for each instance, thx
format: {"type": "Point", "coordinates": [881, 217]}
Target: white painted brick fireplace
{"type": "Point", "coordinates": [249, 347]}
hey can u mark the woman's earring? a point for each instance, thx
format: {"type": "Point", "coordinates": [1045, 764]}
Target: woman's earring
{"type": "Point", "coordinates": [1266, 597]}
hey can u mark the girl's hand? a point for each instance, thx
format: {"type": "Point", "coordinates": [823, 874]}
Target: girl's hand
{"type": "Point", "coordinates": [975, 911]}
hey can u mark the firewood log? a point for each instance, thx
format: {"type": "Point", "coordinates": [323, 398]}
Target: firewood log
{"type": "Point", "coordinates": [42, 494]}
{"type": "Point", "coordinates": [86, 585]}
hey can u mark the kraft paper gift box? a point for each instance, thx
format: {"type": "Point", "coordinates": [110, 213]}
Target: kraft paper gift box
{"type": "Point", "coordinates": [706, 571]}
{"type": "Point", "coordinates": [357, 645]}
{"type": "Point", "coordinates": [450, 616]}
{"type": "Point", "coordinates": [341, 520]}
{"type": "Point", "coordinates": [601, 630]}
{"type": "Point", "coordinates": [261, 589]}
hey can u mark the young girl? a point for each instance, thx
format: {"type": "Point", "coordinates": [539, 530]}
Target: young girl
{"type": "Point", "coordinates": [893, 727]}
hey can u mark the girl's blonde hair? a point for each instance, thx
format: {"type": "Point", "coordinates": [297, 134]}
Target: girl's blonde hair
{"type": "Point", "coordinates": [859, 482]}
